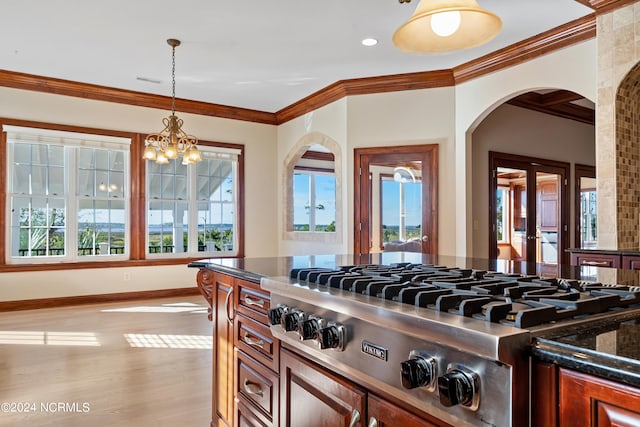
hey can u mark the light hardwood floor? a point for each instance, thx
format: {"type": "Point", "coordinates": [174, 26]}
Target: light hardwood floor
{"type": "Point", "coordinates": [139, 363]}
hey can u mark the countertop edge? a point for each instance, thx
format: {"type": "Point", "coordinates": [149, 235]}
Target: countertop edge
{"type": "Point", "coordinates": [613, 368]}
{"type": "Point", "coordinates": [231, 271]}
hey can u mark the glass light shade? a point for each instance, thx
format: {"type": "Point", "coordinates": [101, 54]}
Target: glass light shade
{"type": "Point", "coordinates": [161, 159]}
{"type": "Point", "coordinates": [193, 154]}
{"type": "Point", "coordinates": [172, 149]}
{"type": "Point", "coordinates": [477, 26]}
{"type": "Point", "coordinates": [446, 23]}
{"type": "Point", "coordinates": [186, 161]}
{"type": "Point", "coordinates": [149, 152]}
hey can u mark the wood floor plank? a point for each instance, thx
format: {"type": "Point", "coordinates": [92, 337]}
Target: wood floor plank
{"type": "Point", "coordinates": [141, 363]}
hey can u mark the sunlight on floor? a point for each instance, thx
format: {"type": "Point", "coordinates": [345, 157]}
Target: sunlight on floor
{"type": "Point", "coordinates": [169, 341]}
{"type": "Point", "coordinates": [49, 338]}
{"type": "Point", "coordinates": [180, 307]}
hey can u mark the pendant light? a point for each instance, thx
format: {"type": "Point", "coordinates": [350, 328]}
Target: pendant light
{"type": "Point", "coordinates": [446, 25]}
{"type": "Point", "coordinates": [172, 141]}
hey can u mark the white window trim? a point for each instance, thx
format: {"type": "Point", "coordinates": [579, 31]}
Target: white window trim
{"type": "Point", "coordinates": [207, 152]}
{"type": "Point", "coordinates": [17, 134]}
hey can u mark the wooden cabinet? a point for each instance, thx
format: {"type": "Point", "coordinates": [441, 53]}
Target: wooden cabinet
{"type": "Point", "coordinates": [596, 259]}
{"type": "Point", "coordinates": [245, 354]}
{"type": "Point", "coordinates": [223, 354]}
{"type": "Point", "coordinates": [382, 413]}
{"type": "Point", "coordinates": [313, 397]}
{"type": "Point", "coordinates": [586, 400]}
{"type": "Point", "coordinates": [631, 262]}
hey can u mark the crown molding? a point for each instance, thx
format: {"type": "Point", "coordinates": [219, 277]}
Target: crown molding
{"type": "Point", "coordinates": [603, 6]}
{"type": "Point", "coordinates": [557, 38]}
{"type": "Point", "coordinates": [122, 96]}
{"type": "Point", "coordinates": [363, 86]}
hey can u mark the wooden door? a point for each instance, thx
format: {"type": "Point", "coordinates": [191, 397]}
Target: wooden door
{"type": "Point", "coordinates": [313, 397]}
{"type": "Point", "coordinates": [415, 166]}
{"type": "Point", "coordinates": [586, 400]}
{"type": "Point", "coordinates": [385, 414]}
{"type": "Point", "coordinates": [223, 334]}
{"type": "Point", "coordinates": [538, 208]}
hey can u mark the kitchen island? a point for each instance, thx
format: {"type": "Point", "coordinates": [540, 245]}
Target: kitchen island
{"type": "Point", "coordinates": [254, 379]}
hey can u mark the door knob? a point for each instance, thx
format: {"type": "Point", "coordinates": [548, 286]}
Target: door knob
{"type": "Point", "coordinates": [425, 238]}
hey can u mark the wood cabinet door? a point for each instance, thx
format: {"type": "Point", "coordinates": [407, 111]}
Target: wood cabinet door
{"type": "Point", "coordinates": [385, 414]}
{"type": "Point", "coordinates": [586, 400]}
{"type": "Point", "coordinates": [313, 397]}
{"type": "Point", "coordinates": [223, 333]}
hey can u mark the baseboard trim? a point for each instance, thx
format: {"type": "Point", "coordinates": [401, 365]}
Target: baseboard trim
{"type": "Point", "coordinates": [33, 304]}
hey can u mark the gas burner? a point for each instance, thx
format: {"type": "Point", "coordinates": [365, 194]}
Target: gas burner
{"type": "Point", "coordinates": [518, 300]}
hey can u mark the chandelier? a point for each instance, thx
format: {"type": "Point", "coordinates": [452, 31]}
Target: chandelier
{"type": "Point", "coordinates": [446, 25]}
{"type": "Point", "coordinates": [172, 141]}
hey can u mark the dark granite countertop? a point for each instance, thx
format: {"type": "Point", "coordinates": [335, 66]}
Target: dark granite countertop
{"type": "Point", "coordinates": [610, 350]}
{"type": "Point", "coordinates": [254, 269]}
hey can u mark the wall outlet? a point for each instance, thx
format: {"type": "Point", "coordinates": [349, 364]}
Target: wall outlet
{"type": "Point", "coordinates": [127, 276]}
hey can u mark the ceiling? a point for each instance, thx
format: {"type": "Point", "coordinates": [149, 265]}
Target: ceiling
{"type": "Point", "coordinates": [256, 54]}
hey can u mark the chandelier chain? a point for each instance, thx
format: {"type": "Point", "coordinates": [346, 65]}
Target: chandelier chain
{"type": "Point", "coordinates": [173, 80]}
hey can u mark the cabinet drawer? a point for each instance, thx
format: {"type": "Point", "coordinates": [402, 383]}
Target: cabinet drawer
{"type": "Point", "coordinates": [257, 385]}
{"type": "Point", "coordinates": [249, 416]}
{"type": "Point", "coordinates": [596, 260]}
{"type": "Point", "coordinates": [252, 301]}
{"type": "Point", "coordinates": [631, 262]}
{"type": "Point", "coordinates": [256, 340]}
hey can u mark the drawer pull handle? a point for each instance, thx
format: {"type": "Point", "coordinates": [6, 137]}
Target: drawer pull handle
{"type": "Point", "coordinates": [251, 341]}
{"type": "Point", "coordinates": [355, 418]}
{"type": "Point", "coordinates": [226, 306]}
{"type": "Point", "coordinates": [252, 388]}
{"type": "Point", "coordinates": [255, 302]}
{"type": "Point", "coordinates": [603, 263]}
{"type": "Point", "coordinates": [373, 422]}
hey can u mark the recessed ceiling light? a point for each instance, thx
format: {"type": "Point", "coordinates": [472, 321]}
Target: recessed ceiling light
{"type": "Point", "coordinates": [369, 42]}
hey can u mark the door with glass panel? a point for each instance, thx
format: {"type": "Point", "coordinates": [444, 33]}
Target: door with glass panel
{"type": "Point", "coordinates": [586, 207]}
{"type": "Point", "coordinates": [395, 197]}
{"type": "Point", "coordinates": [529, 209]}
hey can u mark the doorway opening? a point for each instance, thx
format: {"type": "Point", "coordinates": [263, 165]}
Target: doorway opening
{"type": "Point", "coordinates": [395, 197]}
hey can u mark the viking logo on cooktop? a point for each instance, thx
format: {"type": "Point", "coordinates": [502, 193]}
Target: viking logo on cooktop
{"type": "Point", "coordinates": [374, 350]}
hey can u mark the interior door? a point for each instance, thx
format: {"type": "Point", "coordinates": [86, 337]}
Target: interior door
{"type": "Point", "coordinates": [529, 209]}
{"type": "Point", "coordinates": [395, 199]}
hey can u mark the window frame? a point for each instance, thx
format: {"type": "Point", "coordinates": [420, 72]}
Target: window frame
{"type": "Point", "coordinates": [71, 144]}
{"type": "Point", "coordinates": [313, 173]}
{"type": "Point", "coordinates": [136, 197]}
{"type": "Point", "coordinates": [192, 202]}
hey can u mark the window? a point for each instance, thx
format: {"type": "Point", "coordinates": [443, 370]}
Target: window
{"type": "Point", "coordinates": [588, 218]}
{"type": "Point", "coordinates": [314, 201]}
{"type": "Point", "coordinates": [401, 216]}
{"type": "Point", "coordinates": [67, 194]}
{"type": "Point", "coordinates": [194, 209]}
{"type": "Point", "coordinates": [502, 214]}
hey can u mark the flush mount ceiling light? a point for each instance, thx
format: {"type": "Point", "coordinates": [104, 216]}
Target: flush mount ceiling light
{"type": "Point", "coordinates": [446, 25]}
{"type": "Point", "coordinates": [172, 141]}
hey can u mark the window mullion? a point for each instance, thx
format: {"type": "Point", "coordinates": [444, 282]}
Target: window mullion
{"type": "Point", "coordinates": [192, 196]}
{"type": "Point", "coordinates": [71, 186]}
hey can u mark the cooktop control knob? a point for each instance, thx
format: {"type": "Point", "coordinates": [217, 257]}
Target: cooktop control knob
{"type": "Point", "coordinates": [291, 320]}
{"type": "Point", "coordinates": [459, 386]}
{"type": "Point", "coordinates": [309, 328]}
{"type": "Point", "coordinates": [275, 314]}
{"type": "Point", "coordinates": [418, 371]}
{"type": "Point", "coordinates": [333, 336]}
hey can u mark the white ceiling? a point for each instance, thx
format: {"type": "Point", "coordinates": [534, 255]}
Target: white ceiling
{"type": "Point", "coordinates": [257, 54]}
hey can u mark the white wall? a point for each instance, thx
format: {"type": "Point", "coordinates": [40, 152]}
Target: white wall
{"type": "Point", "coordinates": [408, 118]}
{"type": "Point", "coordinates": [444, 116]}
{"type": "Point", "coordinates": [572, 68]}
{"type": "Point", "coordinates": [260, 185]}
{"type": "Point", "coordinates": [330, 121]}
{"type": "Point", "coordinates": [515, 130]}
